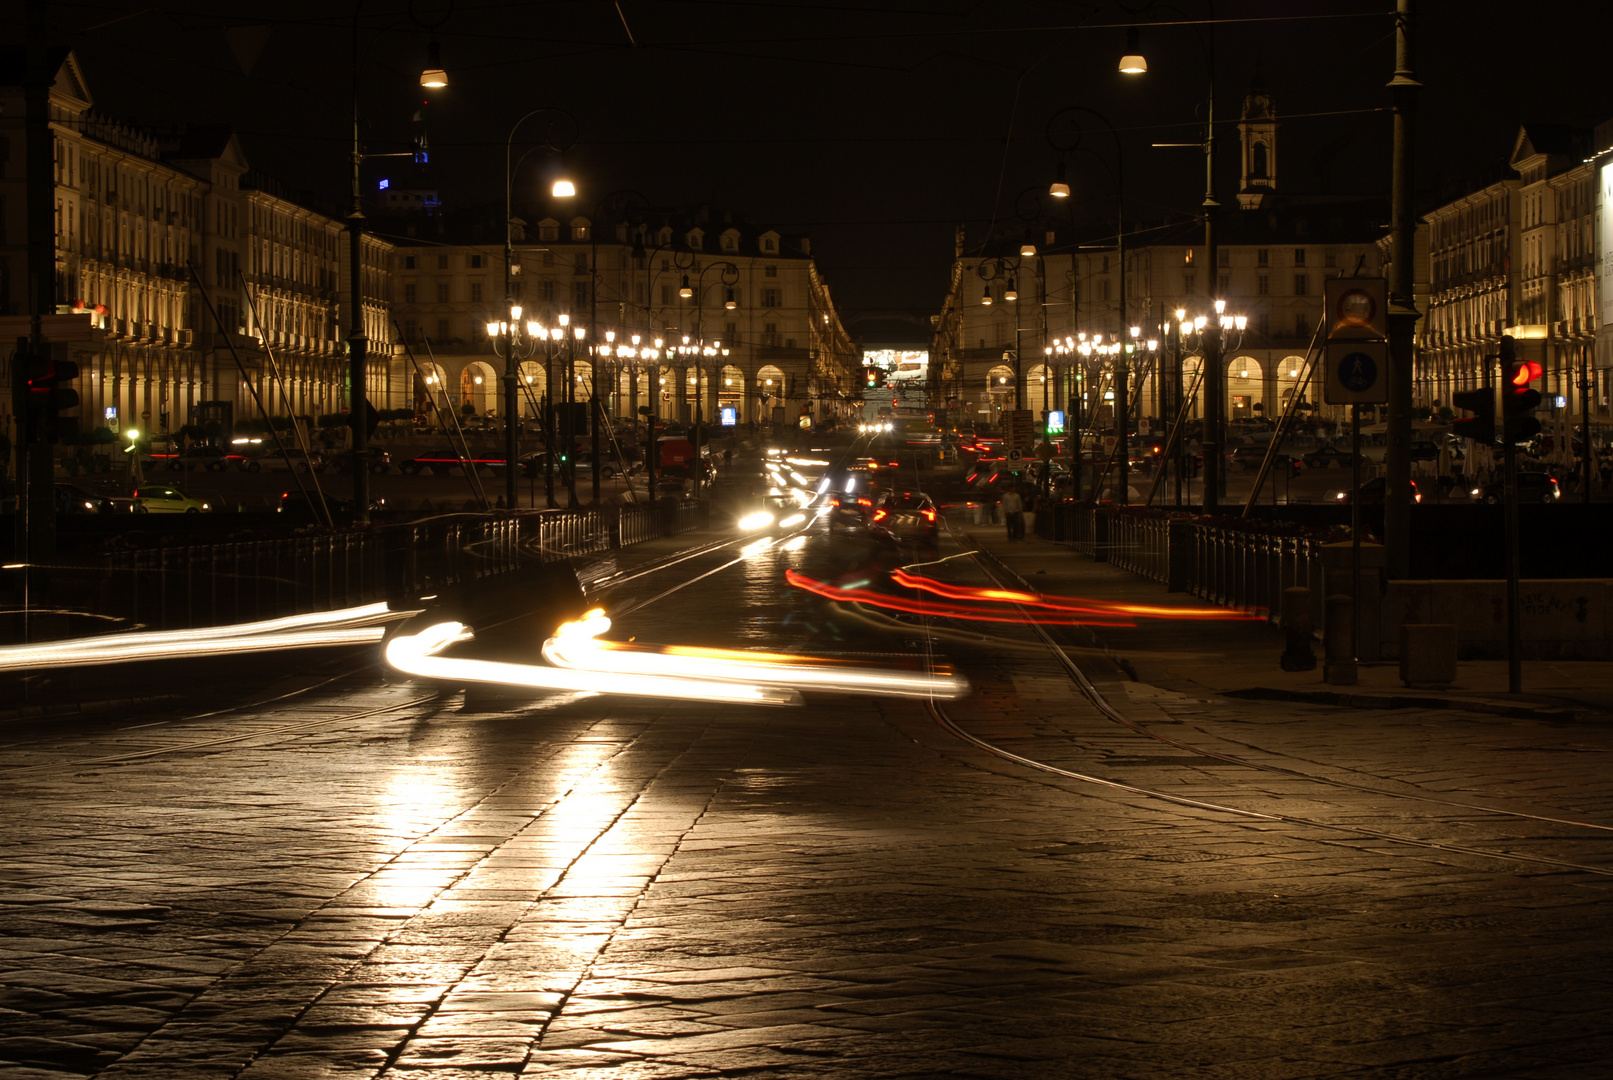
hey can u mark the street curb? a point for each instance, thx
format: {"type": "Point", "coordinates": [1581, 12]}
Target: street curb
{"type": "Point", "coordinates": [1406, 701]}
{"type": "Point", "coordinates": [74, 708]}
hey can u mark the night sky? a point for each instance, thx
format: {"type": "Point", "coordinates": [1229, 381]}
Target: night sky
{"type": "Point", "coordinates": [875, 127]}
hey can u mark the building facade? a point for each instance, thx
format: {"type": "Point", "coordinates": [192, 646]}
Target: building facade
{"type": "Point", "coordinates": [753, 297]}
{"type": "Point", "coordinates": [1274, 253]}
{"type": "Point", "coordinates": [198, 280]}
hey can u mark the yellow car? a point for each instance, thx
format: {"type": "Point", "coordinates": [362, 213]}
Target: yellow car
{"type": "Point", "coordinates": [162, 499]}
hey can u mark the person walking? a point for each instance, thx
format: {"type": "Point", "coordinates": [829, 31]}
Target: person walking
{"type": "Point", "coordinates": [1014, 513]}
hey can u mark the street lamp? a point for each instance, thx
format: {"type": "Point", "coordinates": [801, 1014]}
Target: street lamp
{"type": "Point", "coordinates": [1214, 373]}
{"type": "Point", "coordinates": [1122, 364]}
{"type": "Point", "coordinates": [512, 426]}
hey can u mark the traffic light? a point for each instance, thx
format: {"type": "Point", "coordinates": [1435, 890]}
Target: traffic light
{"type": "Point", "coordinates": [48, 396]}
{"type": "Point", "coordinates": [1480, 427]}
{"type": "Point", "coordinates": [1518, 398]}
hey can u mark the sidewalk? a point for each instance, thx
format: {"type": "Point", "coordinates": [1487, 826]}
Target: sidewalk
{"type": "Point", "coordinates": [1239, 658]}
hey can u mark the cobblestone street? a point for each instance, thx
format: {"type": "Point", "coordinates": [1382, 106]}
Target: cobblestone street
{"type": "Point", "coordinates": [369, 879]}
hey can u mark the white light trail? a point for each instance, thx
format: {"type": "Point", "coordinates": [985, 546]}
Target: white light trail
{"type": "Point", "coordinates": [415, 654]}
{"type": "Point", "coordinates": [761, 519]}
{"type": "Point", "coordinates": [349, 626]}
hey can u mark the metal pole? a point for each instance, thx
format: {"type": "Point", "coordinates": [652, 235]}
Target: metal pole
{"type": "Point", "coordinates": [1214, 378]}
{"type": "Point", "coordinates": [1509, 465]}
{"type": "Point", "coordinates": [1355, 532]}
{"type": "Point", "coordinates": [1585, 422]}
{"type": "Point", "coordinates": [1123, 357]}
{"type": "Point", "coordinates": [357, 342]}
{"type": "Point", "coordinates": [1402, 314]}
{"type": "Point", "coordinates": [512, 425]}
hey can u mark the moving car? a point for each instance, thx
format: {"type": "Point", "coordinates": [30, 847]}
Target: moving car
{"type": "Point", "coordinates": [1532, 487]}
{"type": "Point", "coordinates": [1250, 458]}
{"type": "Point", "coordinates": [380, 460]}
{"type": "Point", "coordinates": [212, 458]}
{"type": "Point", "coordinates": [1372, 493]}
{"type": "Point", "coordinates": [849, 510]}
{"type": "Point", "coordinates": [72, 499]}
{"type": "Point", "coordinates": [162, 499]}
{"type": "Point", "coordinates": [907, 516]}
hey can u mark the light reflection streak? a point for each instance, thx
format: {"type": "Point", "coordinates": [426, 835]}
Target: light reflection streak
{"type": "Point", "coordinates": [986, 604]}
{"type": "Point", "coordinates": [348, 626]}
{"type": "Point", "coordinates": [576, 646]}
{"type": "Point", "coordinates": [795, 543]}
{"type": "Point", "coordinates": [416, 654]}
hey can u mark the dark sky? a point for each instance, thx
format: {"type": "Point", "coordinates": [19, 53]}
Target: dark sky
{"type": "Point", "coordinates": [874, 126]}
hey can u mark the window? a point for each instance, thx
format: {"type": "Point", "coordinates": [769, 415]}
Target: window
{"type": "Point", "coordinates": [1224, 285]}
{"type": "Point", "coordinates": [546, 291]}
{"type": "Point", "coordinates": [1103, 289]}
{"type": "Point", "coordinates": [770, 271]}
{"type": "Point", "coordinates": [548, 258]}
{"type": "Point", "coordinates": [1302, 325]}
{"type": "Point", "coordinates": [1302, 285]}
{"type": "Point", "coordinates": [769, 244]}
{"type": "Point", "coordinates": [1187, 284]}
{"type": "Point", "coordinates": [1187, 257]}
{"type": "Point", "coordinates": [442, 291]}
{"type": "Point", "coordinates": [731, 333]}
{"type": "Point", "coordinates": [409, 293]}
{"type": "Point", "coordinates": [476, 291]}
{"type": "Point", "coordinates": [770, 334]}
{"type": "Point", "coordinates": [408, 262]}
{"type": "Point", "coordinates": [1262, 256]}
{"type": "Point", "coordinates": [1223, 258]}
{"type": "Point", "coordinates": [666, 294]}
{"type": "Point", "coordinates": [770, 298]}
{"type": "Point", "coordinates": [442, 328]}
{"type": "Point", "coordinates": [579, 264]}
{"type": "Point", "coordinates": [475, 262]}
{"type": "Point", "coordinates": [1299, 256]}
{"type": "Point", "coordinates": [1330, 259]}
{"type": "Point", "coordinates": [1263, 284]}
{"type": "Point", "coordinates": [1263, 324]}
{"type": "Point", "coordinates": [442, 262]}
{"type": "Point", "coordinates": [579, 295]}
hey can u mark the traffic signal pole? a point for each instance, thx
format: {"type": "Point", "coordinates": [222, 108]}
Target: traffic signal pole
{"type": "Point", "coordinates": [1509, 465]}
{"type": "Point", "coordinates": [1402, 305]}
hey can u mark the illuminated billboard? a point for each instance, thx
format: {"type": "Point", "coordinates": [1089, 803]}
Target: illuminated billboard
{"type": "Point", "coordinates": [899, 365]}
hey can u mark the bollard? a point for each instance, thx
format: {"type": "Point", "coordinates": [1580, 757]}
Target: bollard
{"type": "Point", "coordinates": [1338, 642]}
{"type": "Point", "coordinates": [1296, 615]}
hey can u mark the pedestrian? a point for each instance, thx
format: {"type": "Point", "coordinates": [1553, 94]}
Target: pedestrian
{"type": "Point", "coordinates": [989, 504]}
{"type": "Point", "coordinates": [1606, 470]}
{"type": "Point", "coordinates": [1014, 513]}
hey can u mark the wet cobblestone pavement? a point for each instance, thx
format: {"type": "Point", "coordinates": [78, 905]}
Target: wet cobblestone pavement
{"type": "Point", "coordinates": [368, 880]}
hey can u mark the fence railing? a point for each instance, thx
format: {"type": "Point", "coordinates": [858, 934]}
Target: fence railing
{"type": "Point", "coordinates": [202, 585]}
{"type": "Point", "coordinates": [1228, 567]}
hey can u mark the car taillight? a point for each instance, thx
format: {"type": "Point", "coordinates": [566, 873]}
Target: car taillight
{"type": "Point", "coordinates": [835, 503]}
{"type": "Point", "coordinates": [880, 515]}
{"type": "Point", "coordinates": [865, 502]}
{"type": "Point", "coordinates": [929, 515]}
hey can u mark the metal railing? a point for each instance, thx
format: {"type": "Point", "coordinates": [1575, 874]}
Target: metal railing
{"type": "Point", "coordinates": [200, 585]}
{"type": "Point", "coordinates": [1233, 568]}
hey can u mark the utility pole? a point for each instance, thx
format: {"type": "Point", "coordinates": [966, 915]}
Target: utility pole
{"type": "Point", "coordinates": [1402, 306]}
{"type": "Point", "coordinates": [36, 499]}
{"type": "Point", "coordinates": [357, 342]}
{"type": "Point", "coordinates": [1214, 379]}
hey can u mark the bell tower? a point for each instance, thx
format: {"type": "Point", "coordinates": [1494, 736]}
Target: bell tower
{"type": "Point", "coordinates": [1257, 134]}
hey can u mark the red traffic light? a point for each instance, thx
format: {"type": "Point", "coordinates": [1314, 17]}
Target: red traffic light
{"type": "Point", "coordinates": [1524, 372]}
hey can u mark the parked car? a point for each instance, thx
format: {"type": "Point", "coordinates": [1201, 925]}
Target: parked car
{"type": "Point", "coordinates": [380, 461]}
{"type": "Point", "coordinates": [292, 457]}
{"type": "Point", "coordinates": [162, 499]}
{"type": "Point", "coordinates": [446, 460]}
{"type": "Point", "coordinates": [1372, 493]}
{"type": "Point", "coordinates": [1532, 487]}
{"type": "Point", "coordinates": [907, 516]}
{"type": "Point", "coordinates": [1329, 457]}
{"type": "Point", "coordinates": [296, 504]}
{"type": "Point", "coordinates": [532, 465]}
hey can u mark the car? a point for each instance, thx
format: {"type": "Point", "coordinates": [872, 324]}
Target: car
{"type": "Point", "coordinates": [907, 516]}
{"type": "Point", "coordinates": [72, 499]}
{"type": "Point", "coordinates": [380, 460]}
{"type": "Point", "coordinates": [1251, 457]}
{"type": "Point", "coordinates": [1532, 487]}
{"type": "Point", "coordinates": [1329, 457]}
{"type": "Point", "coordinates": [292, 457]}
{"type": "Point", "coordinates": [445, 460]}
{"type": "Point", "coordinates": [849, 509]}
{"type": "Point", "coordinates": [212, 458]}
{"type": "Point", "coordinates": [162, 499]}
{"type": "Point", "coordinates": [532, 464]}
{"type": "Point", "coordinates": [296, 504]}
{"type": "Point", "coordinates": [1424, 450]}
{"type": "Point", "coordinates": [1372, 493]}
